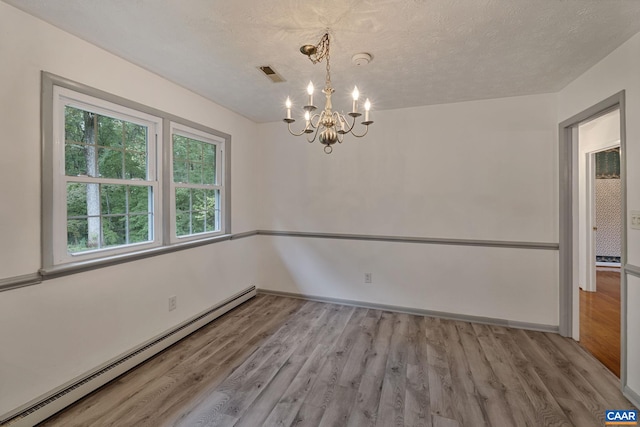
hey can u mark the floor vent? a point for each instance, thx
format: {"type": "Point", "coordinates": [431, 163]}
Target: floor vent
{"type": "Point", "coordinates": [45, 407]}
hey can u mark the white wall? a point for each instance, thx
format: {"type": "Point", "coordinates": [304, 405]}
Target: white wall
{"type": "Point", "coordinates": [54, 331]}
{"type": "Point", "coordinates": [618, 71]}
{"type": "Point", "coordinates": [476, 170]}
{"type": "Point", "coordinates": [484, 170]}
{"type": "Point", "coordinates": [472, 170]}
{"type": "Point", "coordinates": [499, 283]}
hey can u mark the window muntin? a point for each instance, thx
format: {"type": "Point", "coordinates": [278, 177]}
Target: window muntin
{"type": "Point", "coordinates": [106, 186]}
{"type": "Point", "coordinates": [196, 183]}
{"type": "Point", "coordinates": [196, 211]}
{"type": "Point", "coordinates": [102, 146]}
{"type": "Point", "coordinates": [194, 161]}
{"type": "Point", "coordinates": [123, 216]}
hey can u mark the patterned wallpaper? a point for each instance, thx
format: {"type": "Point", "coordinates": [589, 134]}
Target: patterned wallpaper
{"type": "Point", "coordinates": [608, 164]}
{"type": "Point", "coordinates": [608, 219]}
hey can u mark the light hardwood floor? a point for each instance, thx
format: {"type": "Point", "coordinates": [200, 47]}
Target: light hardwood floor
{"type": "Point", "coordinates": [600, 319]}
{"type": "Point", "coordinates": [278, 361]}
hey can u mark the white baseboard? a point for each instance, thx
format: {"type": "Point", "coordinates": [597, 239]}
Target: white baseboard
{"type": "Point", "coordinates": [54, 401]}
{"type": "Point", "coordinates": [420, 312]}
{"type": "Point", "coordinates": [608, 264]}
{"type": "Point", "coordinates": [633, 397]}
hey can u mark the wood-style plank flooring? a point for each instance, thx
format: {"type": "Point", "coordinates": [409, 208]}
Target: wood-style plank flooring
{"type": "Point", "coordinates": [278, 361]}
{"type": "Point", "coordinates": [600, 319]}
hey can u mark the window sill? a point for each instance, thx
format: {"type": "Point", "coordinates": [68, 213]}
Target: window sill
{"type": "Point", "coordinates": [80, 266]}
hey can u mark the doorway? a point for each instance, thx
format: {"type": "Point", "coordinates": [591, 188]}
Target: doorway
{"type": "Point", "coordinates": [600, 290]}
{"type": "Point", "coordinates": [572, 232]}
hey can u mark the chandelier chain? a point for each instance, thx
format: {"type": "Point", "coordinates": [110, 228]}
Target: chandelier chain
{"type": "Point", "coordinates": [322, 50]}
{"type": "Point", "coordinates": [328, 77]}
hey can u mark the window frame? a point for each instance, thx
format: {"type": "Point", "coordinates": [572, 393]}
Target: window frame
{"type": "Point", "coordinates": [52, 208]}
{"type": "Point", "coordinates": [219, 144]}
{"type": "Point", "coordinates": [63, 98]}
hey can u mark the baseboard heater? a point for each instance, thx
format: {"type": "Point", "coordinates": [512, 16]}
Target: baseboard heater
{"type": "Point", "coordinates": [45, 406]}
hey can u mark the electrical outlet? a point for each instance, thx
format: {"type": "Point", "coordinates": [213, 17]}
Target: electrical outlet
{"type": "Point", "coordinates": [173, 302]}
{"type": "Point", "coordinates": [368, 278]}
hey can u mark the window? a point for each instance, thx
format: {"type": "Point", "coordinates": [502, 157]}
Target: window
{"type": "Point", "coordinates": [196, 183]}
{"type": "Point", "coordinates": [106, 189]}
{"type": "Point", "coordinates": [121, 179]}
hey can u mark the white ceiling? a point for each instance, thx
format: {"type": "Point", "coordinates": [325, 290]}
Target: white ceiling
{"type": "Point", "coordinates": [424, 51]}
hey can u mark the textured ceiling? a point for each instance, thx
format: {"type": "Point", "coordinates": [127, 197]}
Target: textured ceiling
{"type": "Point", "coordinates": [424, 51]}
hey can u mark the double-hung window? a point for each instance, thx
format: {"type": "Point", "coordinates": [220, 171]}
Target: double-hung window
{"type": "Point", "coordinates": [122, 180]}
{"type": "Point", "coordinates": [196, 183]}
{"type": "Point", "coordinates": [106, 187]}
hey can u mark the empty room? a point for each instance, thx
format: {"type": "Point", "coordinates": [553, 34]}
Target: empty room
{"type": "Point", "coordinates": [345, 213]}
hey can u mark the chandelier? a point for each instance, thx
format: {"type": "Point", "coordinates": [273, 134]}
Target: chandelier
{"type": "Point", "coordinates": [328, 126]}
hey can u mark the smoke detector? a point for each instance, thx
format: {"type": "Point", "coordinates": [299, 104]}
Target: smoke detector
{"type": "Point", "coordinates": [361, 59]}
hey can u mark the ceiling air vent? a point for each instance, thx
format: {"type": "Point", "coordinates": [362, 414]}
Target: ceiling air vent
{"type": "Point", "coordinates": [271, 74]}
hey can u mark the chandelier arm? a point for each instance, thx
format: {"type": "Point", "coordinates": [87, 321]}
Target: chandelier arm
{"type": "Point", "coordinates": [319, 119]}
{"type": "Point", "coordinates": [366, 129]}
{"type": "Point", "coordinates": [339, 121]}
{"type": "Point", "coordinates": [315, 135]}
{"type": "Point", "coordinates": [350, 130]}
{"type": "Point", "coordinates": [297, 134]}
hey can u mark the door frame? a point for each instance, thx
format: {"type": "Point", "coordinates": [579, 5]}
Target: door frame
{"type": "Point", "coordinates": [590, 223]}
{"type": "Point", "coordinates": [568, 225]}
{"type": "Point", "coordinates": [591, 216]}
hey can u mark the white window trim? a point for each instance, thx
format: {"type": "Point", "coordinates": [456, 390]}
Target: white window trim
{"type": "Point", "coordinates": [51, 223]}
{"type": "Point", "coordinates": [65, 97]}
{"type": "Point", "coordinates": [219, 143]}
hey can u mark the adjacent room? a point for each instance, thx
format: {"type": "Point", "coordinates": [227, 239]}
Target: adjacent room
{"type": "Point", "coordinates": [362, 213]}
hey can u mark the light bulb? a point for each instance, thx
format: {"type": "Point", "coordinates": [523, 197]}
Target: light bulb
{"type": "Point", "coordinates": [367, 107]}
{"type": "Point", "coordinates": [307, 116]}
{"type": "Point", "coordinates": [288, 105]}
{"type": "Point", "coordinates": [355, 95]}
{"type": "Point", "coordinates": [310, 92]}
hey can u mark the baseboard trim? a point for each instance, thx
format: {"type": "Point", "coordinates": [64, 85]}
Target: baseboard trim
{"type": "Point", "coordinates": [418, 311]}
{"type": "Point", "coordinates": [633, 397]}
{"type": "Point", "coordinates": [54, 401]}
{"type": "Point", "coordinates": [608, 264]}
